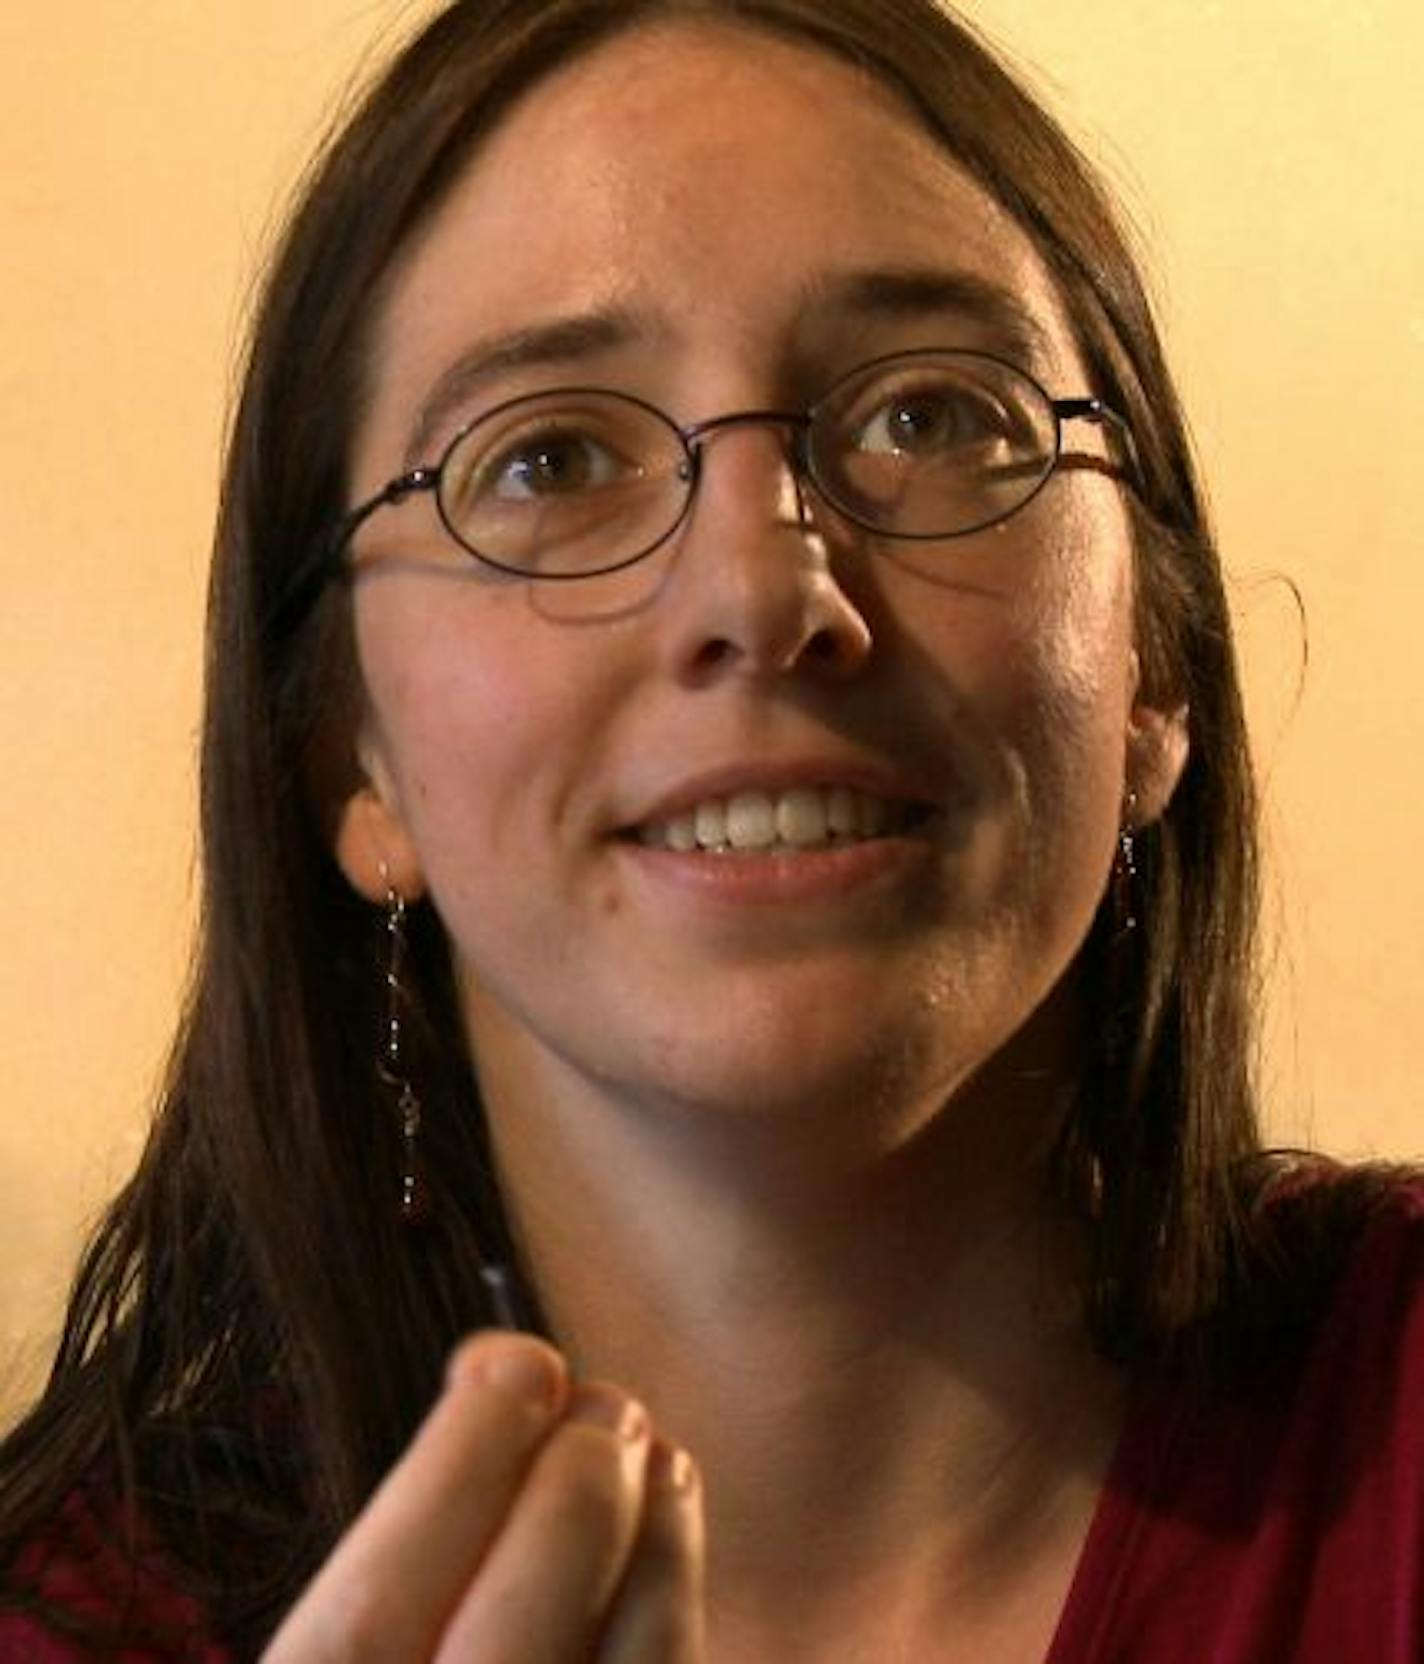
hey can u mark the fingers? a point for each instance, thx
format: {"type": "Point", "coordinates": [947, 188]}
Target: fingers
{"type": "Point", "coordinates": [543, 1594]}
{"type": "Point", "coordinates": [657, 1613]}
{"type": "Point", "coordinates": [393, 1581]}
{"type": "Point", "coordinates": [528, 1523]}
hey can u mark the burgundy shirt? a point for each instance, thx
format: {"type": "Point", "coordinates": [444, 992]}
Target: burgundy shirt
{"type": "Point", "coordinates": [1283, 1527]}
{"type": "Point", "coordinates": [1280, 1526]}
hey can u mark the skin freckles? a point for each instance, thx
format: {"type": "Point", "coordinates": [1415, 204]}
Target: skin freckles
{"type": "Point", "coordinates": [514, 732]}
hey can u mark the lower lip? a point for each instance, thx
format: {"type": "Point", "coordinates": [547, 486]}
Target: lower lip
{"type": "Point", "coordinates": [754, 878]}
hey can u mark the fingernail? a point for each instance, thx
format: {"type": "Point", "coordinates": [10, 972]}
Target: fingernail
{"type": "Point", "coordinates": [673, 1468]}
{"type": "Point", "coordinates": [526, 1372]}
{"type": "Point", "coordinates": [623, 1416]}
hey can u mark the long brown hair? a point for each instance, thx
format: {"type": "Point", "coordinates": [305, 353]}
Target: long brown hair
{"type": "Point", "coordinates": [254, 1334]}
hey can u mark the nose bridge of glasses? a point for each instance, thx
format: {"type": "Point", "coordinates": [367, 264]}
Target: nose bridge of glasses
{"type": "Point", "coordinates": [793, 423]}
{"type": "Point", "coordinates": [794, 470]}
{"type": "Point", "coordinates": [794, 426]}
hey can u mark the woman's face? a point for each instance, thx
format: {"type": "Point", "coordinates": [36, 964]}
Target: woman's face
{"type": "Point", "coordinates": [732, 222]}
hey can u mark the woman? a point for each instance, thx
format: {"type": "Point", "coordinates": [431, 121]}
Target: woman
{"type": "Point", "coordinates": [728, 843]}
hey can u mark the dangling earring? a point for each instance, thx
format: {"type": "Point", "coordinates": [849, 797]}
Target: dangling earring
{"type": "Point", "coordinates": [1124, 873]}
{"type": "Point", "coordinates": [1121, 947]}
{"type": "Point", "coordinates": [390, 1065]}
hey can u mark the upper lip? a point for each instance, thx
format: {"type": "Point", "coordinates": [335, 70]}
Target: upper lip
{"type": "Point", "coordinates": [771, 776]}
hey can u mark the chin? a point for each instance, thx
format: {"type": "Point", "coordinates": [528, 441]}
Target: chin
{"type": "Point", "coordinates": [817, 1068]}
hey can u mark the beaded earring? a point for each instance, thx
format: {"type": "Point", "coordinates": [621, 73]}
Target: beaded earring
{"type": "Point", "coordinates": [391, 1068]}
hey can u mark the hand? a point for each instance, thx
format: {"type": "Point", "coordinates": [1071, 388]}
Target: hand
{"type": "Point", "coordinates": [529, 1522]}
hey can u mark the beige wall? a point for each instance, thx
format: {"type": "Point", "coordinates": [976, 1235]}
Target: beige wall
{"type": "Point", "coordinates": [1268, 149]}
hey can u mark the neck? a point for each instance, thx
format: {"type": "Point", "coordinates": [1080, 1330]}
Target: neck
{"type": "Point", "coordinates": [876, 1356]}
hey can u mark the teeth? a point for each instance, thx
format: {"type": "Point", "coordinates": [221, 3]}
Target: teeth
{"type": "Point", "coordinates": [709, 825]}
{"type": "Point", "coordinates": [751, 821]}
{"type": "Point", "coordinates": [805, 817]}
{"type": "Point", "coordinates": [841, 812]}
{"type": "Point", "coordinates": [681, 835]}
{"type": "Point", "coordinates": [802, 818]}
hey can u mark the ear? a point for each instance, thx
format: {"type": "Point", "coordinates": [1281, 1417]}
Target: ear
{"type": "Point", "coordinates": [372, 843]}
{"type": "Point", "coordinates": [1157, 750]}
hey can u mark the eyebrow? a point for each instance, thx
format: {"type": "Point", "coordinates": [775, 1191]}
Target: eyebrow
{"type": "Point", "coordinates": [558, 341]}
{"type": "Point", "coordinates": [915, 292]}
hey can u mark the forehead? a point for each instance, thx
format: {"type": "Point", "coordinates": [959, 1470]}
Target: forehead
{"type": "Point", "coordinates": [717, 186]}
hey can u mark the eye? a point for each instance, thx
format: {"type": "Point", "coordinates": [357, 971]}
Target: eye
{"type": "Point", "coordinates": [932, 419]}
{"type": "Point", "coordinates": [550, 463]}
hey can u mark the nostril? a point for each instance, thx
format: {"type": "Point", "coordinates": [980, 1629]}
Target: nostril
{"type": "Point", "coordinates": [714, 653]}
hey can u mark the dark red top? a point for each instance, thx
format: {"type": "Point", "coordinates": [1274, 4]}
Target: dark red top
{"type": "Point", "coordinates": [1280, 1526]}
{"type": "Point", "coordinates": [80, 1568]}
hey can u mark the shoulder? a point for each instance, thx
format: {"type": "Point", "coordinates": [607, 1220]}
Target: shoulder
{"type": "Point", "coordinates": [87, 1586]}
{"type": "Point", "coordinates": [1387, 1261]}
{"type": "Point", "coordinates": [1367, 1360]}
{"type": "Point", "coordinates": [1353, 1240]}
{"type": "Point", "coordinates": [1354, 1361]}
{"type": "Point", "coordinates": [1365, 1228]}
{"type": "Point", "coordinates": [1323, 1246]}
{"type": "Point", "coordinates": [1279, 1513]}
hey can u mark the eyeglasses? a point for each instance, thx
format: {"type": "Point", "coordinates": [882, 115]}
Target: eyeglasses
{"type": "Point", "coordinates": [579, 481]}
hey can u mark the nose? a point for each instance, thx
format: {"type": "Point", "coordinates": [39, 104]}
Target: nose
{"type": "Point", "coordinates": [752, 591]}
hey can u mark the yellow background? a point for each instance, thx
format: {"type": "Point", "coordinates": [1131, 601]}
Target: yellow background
{"type": "Point", "coordinates": [1270, 152]}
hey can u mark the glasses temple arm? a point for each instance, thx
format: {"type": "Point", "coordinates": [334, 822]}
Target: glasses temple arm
{"type": "Point", "coordinates": [1104, 416]}
{"type": "Point", "coordinates": [325, 560]}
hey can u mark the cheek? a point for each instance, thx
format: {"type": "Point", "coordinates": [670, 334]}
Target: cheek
{"type": "Point", "coordinates": [1037, 643]}
{"type": "Point", "coordinates": [1074, 689]}
{"type": "Point", "coordinates": [1037, 665]}
{"type": "Point", "coordinates": [1073, 611]}
{"type": "Point", "coordinates": [459, 708]}
{"type": "Point", "coordinates": [493, 724]}
{"type": "Point", "coordinates": [1076, 646]}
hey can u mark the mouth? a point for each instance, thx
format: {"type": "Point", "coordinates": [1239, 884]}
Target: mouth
{"type": "Point", "coordinates": [798, 819]}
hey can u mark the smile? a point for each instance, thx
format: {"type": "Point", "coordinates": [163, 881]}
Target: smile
{"type": "Point", "coordinates": [801, 818]}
